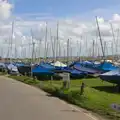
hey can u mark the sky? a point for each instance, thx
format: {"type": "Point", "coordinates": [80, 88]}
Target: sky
{"type": "Point", "coordinates": [64, 8]}
{"type": "Point", "coordinates": [76, 20]}
{"type": "Point", "coordinates": [61, 8]}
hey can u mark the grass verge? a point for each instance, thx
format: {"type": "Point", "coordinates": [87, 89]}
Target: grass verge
{"type": "Point", "coordinates": [97, 98]}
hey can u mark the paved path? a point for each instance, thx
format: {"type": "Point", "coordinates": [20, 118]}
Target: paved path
{"type": "Point", "coordinates": [19, 101]}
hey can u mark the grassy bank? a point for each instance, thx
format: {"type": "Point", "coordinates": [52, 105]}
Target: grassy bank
{"type": "Point", "coordinates": [26, 80]}
{"type": "Point", "coordinates": [97, 97]}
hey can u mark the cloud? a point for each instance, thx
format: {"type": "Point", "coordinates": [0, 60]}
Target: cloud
{"type": "Point", "coordinates": [74, 29]}
{"type": "Point", "coordinates": [5, 10]}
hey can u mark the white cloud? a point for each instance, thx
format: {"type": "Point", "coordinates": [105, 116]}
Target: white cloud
{"type": "Point", "coordinates": [69, 28]}
{"type": "Point", "coordinates": [5, 10]}
{"type": "Point", "coordinates": [116, 17]}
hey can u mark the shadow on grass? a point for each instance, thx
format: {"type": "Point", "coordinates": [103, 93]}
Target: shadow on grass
{"type": "Point", "coordinates": [109, 89]}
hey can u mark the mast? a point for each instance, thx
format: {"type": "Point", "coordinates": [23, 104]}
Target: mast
{"type": "Point", "coordinates": [45, 53]}
{"type": "Point", "coordinates": [113, 39]}
{"type": "Point", "coordinates": [54, 47]}
{"type": "Point", "coordinates": [33, 44]}
{"type": "Point", "coordinates": [68, 43]}
{"type": "Point", "coordinates": [112, 32]}
{"type": "Point", "coordinates": [112, 48]}
{"type": "Point", "coordinates": [100, 38]}
{"type": "Point", "coordinates": [86, 46]}
{"type": "Point", "coordinates": [71, 52]}
{"type": "Point", "coordinates": [57, 43]}
{"type": "Point", "coordinates": [105, 46]}
{"type": "Point", "coordinates": [8, 52]}
{"type": "Point", "coordinates": [52, 44]}
{"type": "Point", "coordinates": [59, 49]}
{"type": "Point", "coordinates": [15, 50]}
{"type": "Point", "coordinates": [93, 48]}
{"type": "Point", "coordinates": [64, 53]}
{"type": "Point", "coordinates": [11, 40]}
{"type": "Point", "coordinates": [117, 42]}
{"type": "Point", "coordinates": [47, 50]}
{"type": "Point", "coordinates": [39, 49]}
{"type": "Point", "coordinates": [79, 50]}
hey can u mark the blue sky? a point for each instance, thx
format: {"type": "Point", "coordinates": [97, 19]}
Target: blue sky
{"type": "Point", "coordinates": [61, 8]}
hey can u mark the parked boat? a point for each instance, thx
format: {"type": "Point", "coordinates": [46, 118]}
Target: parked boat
{"type": "Point", "coordinates": [90, 71]}
{"type": "Point", "coordinates": [106, 67]}
{"type": "Point", "coordinates": [112, 76]}
{"type": "Point", "coordinates": [42, 73]}
{"type": "Point", "coordinates": [47, 66]}
{"type": "Point", "coordinates": [24, 69]}
{"type": "Point", "coordinates": [2, 67]}
{"type": "Point", "coordinates": [12, 69]}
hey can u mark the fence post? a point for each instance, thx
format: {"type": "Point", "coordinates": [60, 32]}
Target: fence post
{"type": "Point", "coordinates": [82, 88]}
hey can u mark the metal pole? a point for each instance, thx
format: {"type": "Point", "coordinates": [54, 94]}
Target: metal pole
{"type": "Point", "coordinates": [32, 58]}
{"type": "Point", "coordinates": [57, 46]}
{"type": "Point", "coordinates": [100, 38]}
{"type": "Point", "coordinates": [68, 50]}
{"type": "Point", "coordinates": [45, 41]}
{"type": "Point", "coordinates": [39, 49]}
{"type": "Point", "coordinates": [12, 40]}
{"type": "Point", "coordinates": [93, 48]}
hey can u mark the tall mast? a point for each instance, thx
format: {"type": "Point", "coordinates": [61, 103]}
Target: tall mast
{"type": "Point", "coordinates": [86, 47]}
{"type": "Point", "coordinates": [100, 38]}
{"type": "Point", "coordinates": [71, 52]}
{"type": "Point", "coordinates": [68, 43]}
{"type": "Point", "coordinates": [117, 42]}
{"type": "Point", "coordinates": [33, 45]}
{"type": "Point", "coordinates": [114, 41]}
{"type": "Point", "coordinates": [53, 49]}
{"type": "Point", "coordinates": [112, 32]}
{"type": "Point", "coordinates": [11, 40]}
{"type": "Point", "coordinates": [59, 49]}
{"type": "Point", "coordinates": [112, 48]}
{"type": "Point", "coordinates": [52, 44]}
{"type": "Point", "coordinates": [79, 50]}
{"type": "Point", "coordinates": [39, 49]}
{"type": "Point", "coordinates": [57, 43]}
{"type": "Point", "coordinates": [64, 53]}
{"type": "Point", "coordinates": [105, 46]}
{"type": "Point", "coordinates": [93, 48]}
{"type": "Point", "coordinates": [45, 52]}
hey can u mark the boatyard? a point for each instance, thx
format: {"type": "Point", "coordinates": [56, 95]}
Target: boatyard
{"type": "Point", "coordinates": [98, 94]}
{"type": "Point", "coordinates": [59, 61]}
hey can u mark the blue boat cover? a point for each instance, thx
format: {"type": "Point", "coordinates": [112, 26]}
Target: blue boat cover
{"type": "Point", "coordinates": [112, 76]}
{"type": "Point", "coordinates": [87, 64]}
{"type": "Point", "coordinates": [47, 66]}
{"type": "Point", "coordinates": [39, 69]}
{"type": "Point", "coordinates": [2, 65]}
{"type": "Point", "coordinates": [79, 67]}
{"type": "Point", "coordinates": [106, 66]}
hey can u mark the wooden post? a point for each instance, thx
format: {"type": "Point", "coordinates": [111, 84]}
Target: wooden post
{"type": "Point", "coordinates": [82, 88]}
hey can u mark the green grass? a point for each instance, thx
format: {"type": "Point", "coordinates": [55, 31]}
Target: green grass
{"type": "Point", "coordinates": [3, 73]}
{"type": "Point", "coordinates": [26, 80]}
{"type": "Point", "coordinates": [97, 97]}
